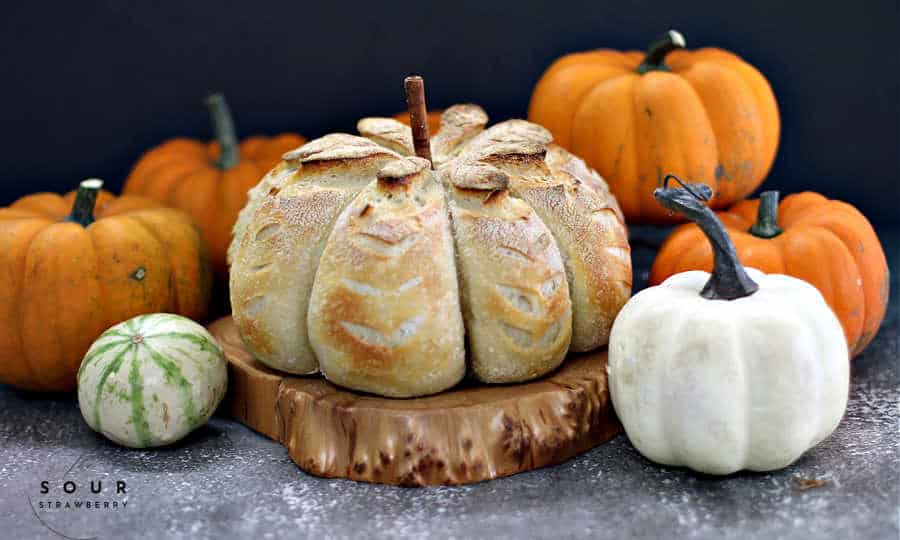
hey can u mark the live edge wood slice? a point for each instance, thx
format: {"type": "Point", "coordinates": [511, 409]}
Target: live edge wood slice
{"type": "Point", "coordinates": [464, 435]}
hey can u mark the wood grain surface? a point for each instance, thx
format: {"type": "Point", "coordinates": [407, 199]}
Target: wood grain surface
{"type": "Point", "coordinates": [465, 435]}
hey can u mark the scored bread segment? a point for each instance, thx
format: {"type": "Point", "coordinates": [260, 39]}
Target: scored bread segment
{"type": "Point", "coordinates": [459, 124]}
{"type": "Point", "coordinates": [515, 298]}
{"type": "Point", "coordinates": [478, 176]}
{"type": "Point", "coordinates": [560, 159]}
{"type": "Point", "coordinates": [384, 316]}
{"type": "Point", "coordinates": [280, 243]}
{"type": "Point", "coordinates": [586, 223]}
{"type": "Point", "coordinates": [401, 172]}
{"type": "Point", "coordinates": [595, 248]}
{"type": "Point", "coordinates": [330, 149]}
{"type": "Point", "coordinates": [389, 133]}
{"type": "Point", "coordinates": [271, 182]}
{"type": "Point", "coordinates": [515, 146]}
{"type": "Point", "coordinates": [333, 147]}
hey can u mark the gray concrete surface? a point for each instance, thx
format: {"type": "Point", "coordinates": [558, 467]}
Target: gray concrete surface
{"type": "Point", "coordinates": [226, 481]}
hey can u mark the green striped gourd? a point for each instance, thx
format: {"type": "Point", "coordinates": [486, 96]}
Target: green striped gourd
{"type": "Point", "coordinates": [151, 380]}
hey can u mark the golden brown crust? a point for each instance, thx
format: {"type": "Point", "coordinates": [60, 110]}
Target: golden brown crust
{"type": "Point", "coordinates": [595, 247]}
{"type": "Point", "coordinates": [512, 282]}
{"type": "Point", "coordinates": [328, 151]}
{"type": "Point", "coordinates": [334, 147]}
{"type": "Point", "coordinates": [271, 183]}
{"type": "Point", "coordinates": [544, 262]}
{"type": "Point", "coordinates": [586, 222]}
{"type": "Point", "coordinates": [384, 314]}
{"type": "Point", "coordinates": [401, 171]}
{"type": "Point", "coordinates": [560, 159]}
{"type": "Point", "coordinates": [274, 265]}
{"type": "Point", "coordinates": [268, 278]}
{"type": "Point", "coordinates": [389, 133]}
{"type": "Point", "coordinates": [510, 143]}
{"type": "Point", "coordinates": [459, 124]}
{"type": "Point", "coordinates": [479, 176]}
{"type": "Point", "coordinates": [593, 236]}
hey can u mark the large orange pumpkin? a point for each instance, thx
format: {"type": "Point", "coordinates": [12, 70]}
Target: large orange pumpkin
{"type": "Point", "coordinates": [209, 180]}
{"type": "Point", "coordinates": [827, 243]}
{"type": "Point", "coordinates": [68, 272]}
{"type": "Point", "coordinates": [705, 115]}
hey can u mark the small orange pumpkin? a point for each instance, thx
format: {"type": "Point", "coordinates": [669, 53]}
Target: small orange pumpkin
{"type": "Point", "coordinates": [209, 180]}
{"type": "Point", "coordinates": [68, 272]}
{"type": "Point", "coordinates": [827, 243]}
{"type": "Point", "coordinates": [705, 115]}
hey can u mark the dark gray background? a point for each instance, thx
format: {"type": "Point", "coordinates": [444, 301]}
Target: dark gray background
{"type": "Point", "coordinates": [88, 85]}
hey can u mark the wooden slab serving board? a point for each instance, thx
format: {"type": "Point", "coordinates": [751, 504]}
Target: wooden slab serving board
{"type": "Point", "coordinates": [468, 434]}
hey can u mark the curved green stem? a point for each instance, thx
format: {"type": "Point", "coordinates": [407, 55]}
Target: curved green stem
{"type": "Point", "coordinates": [656, 53]}
{"type": "Point", "coordinates": [223, 128]}
{"type": "Point", "coordinates": [766, 225]}
{"type": "Point", "coordinates": [729, 279]}
{"type": "Point", "coordinates": [85, 199]}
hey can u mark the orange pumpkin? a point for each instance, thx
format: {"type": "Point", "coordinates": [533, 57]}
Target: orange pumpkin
{"type": "Point", "coordinates": [68, 272]}
{"type": "Point", "coordinates": [434, 120]}
{"type": "Point", "coordinates": [705, 115]}
{"type": "Point", "coordinates": [827, 243]}
{"type": "Point", "coordinates": [209, 180]}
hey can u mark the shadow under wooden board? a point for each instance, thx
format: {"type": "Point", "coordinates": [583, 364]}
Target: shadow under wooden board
{"type": "Point", "coordinates": [467, 434]}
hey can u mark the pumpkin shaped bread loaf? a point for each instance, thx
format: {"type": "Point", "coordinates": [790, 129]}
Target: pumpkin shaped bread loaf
{"type": "Point", "coordinates": [355, 258]}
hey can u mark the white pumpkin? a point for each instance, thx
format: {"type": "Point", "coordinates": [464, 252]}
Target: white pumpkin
{"type": "Point", "coordinates": [726, 371]}
{"type": "Point", "coordinates": [151, 380]}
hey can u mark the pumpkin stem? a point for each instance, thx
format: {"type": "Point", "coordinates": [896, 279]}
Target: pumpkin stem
{"type": "Point", "coordinates": [418, 115]}
{"type": "Point", "coordinates": [85, 199]}
{"type": "Point", "coordinates": [223, 128]}
{"type": "Point", "coordinates": [656, 53]}
{"type": "Point", "coordinates": [729, 279]}
{"type": "Point", "coordinates": [766, 225]}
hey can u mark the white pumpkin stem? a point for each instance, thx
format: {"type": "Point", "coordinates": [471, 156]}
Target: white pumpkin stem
{"type": "Point", "coordinates": [729, 279]}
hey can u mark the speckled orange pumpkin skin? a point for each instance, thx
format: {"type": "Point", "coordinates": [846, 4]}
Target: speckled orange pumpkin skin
{"type": "Point", "coordinates": [182, 173]}
{"type": "Point", "coordinates": [827, 243]}
{"type": "Point", "coordinates": [62, 284]}
{"type": "Point", "coordinates": [713, 119]}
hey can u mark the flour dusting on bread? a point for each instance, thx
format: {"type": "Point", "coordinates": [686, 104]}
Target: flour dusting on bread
{"type": "Point", "coordinates": [355, 258]}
